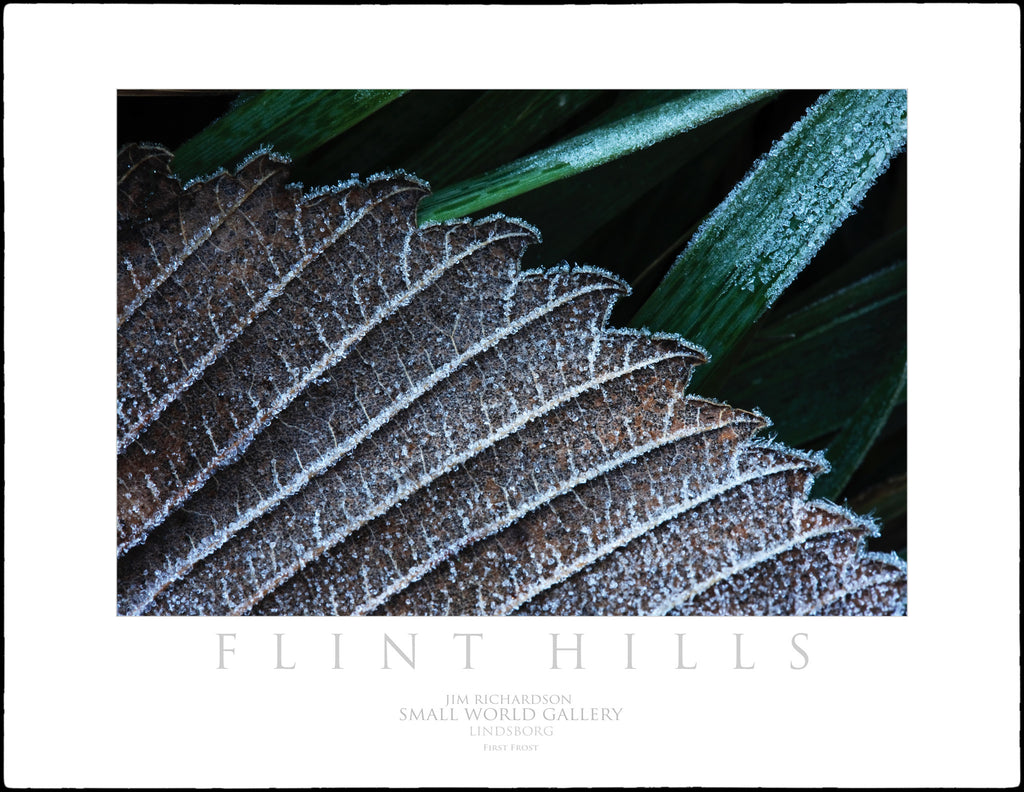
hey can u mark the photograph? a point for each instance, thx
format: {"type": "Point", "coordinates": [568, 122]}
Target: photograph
{"type": "Point", "coordinates": [438, 352]}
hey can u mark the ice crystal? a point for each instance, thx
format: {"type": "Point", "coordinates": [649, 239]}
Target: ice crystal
{"type": "Point", "coordinates": [324, 408]}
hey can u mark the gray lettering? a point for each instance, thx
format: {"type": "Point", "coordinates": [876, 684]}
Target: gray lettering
{"type": "Point", "coordinates": [403, 655]}
{"type": "Point", "coordinates": [801, 651]}
{"type": "Point", "coordinates": [467, 636]}
{"type": "Point", "coordinates": [680, 664]}
{"type": "Point", "coordinates": [555, 649]}
{"type": "Point", "coordinates": [739, 661]}
{"type": "Point", "coordinates": [279, 665]}
{"type": "Point", "coordinates": [223, 649]}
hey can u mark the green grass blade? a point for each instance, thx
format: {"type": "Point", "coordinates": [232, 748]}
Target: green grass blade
{"type": "Point", "coordinates": [623, 213]}
{"type": "Point", "coordinates": [886, 501]}
{"type": "Point", "coordinates": [852, 444]}
{"type": "Point", "coordinates": [630, 103]}
{"type": "Point", "coordinates": [811, 369]}
{"type": "Point", "coordinates": [878, 255]}
{"type": "Point", "coordinates": [754, 243]}
{"type": "Point", "coordinates": [498, 127]}
{"type": "Point", "coordinates": [844, 309]}
{"type": "Point", "coordinates": [583, 152]}
{"type": "Point", "coordinates": [385, 140]}
{"type": "Point", "coordinates": [293, 122]}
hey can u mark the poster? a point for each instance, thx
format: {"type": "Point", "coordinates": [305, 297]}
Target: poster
{"type": "Point", "coordinates": [96, 700]}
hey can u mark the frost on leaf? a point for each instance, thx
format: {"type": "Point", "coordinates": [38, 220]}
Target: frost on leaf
{"type": "Point", "coordinates": [325, 409]}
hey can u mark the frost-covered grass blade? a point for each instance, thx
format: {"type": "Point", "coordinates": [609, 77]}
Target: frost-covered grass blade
{"type": "Point", "coordinates": [498, 127]}
{"type": "Point", "coordinates": [770, 226]}
{"type": "Point", "coordinates": [585, 151]}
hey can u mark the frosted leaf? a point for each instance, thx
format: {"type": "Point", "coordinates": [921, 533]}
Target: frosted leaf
{"type": "Point", "coordinates": [572, 530]}
{"type": "Point", "coordinates": [324, 408]}
{"type": "Point", "coordinates": [826, 574]}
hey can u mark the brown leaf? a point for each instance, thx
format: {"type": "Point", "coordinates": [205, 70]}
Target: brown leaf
{"type": "Point", "coordinates": [323, 408]}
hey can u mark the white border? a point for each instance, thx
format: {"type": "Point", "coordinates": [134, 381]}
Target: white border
{"type": "Point", "coordinates": [930, 700]}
